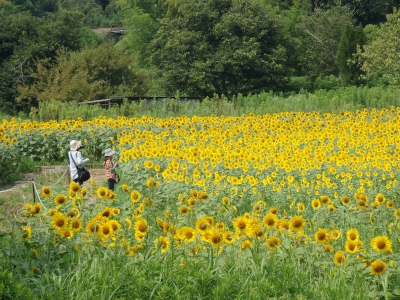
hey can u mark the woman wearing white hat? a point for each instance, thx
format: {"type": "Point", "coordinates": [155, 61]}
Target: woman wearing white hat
{"type": "Point", "coordinates": [109, 166]}
{"type": "Point", "coordinates": [76, 160]}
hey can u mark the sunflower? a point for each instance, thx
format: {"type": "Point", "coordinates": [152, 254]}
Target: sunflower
{"type": "Point", "coordinates": [283, 225]}
{"type": "Point", "coordinates": [202, 196]}
{"type": "Point", "coordinates": [46, 192]}
{"type": "Point", "coordinates": [331, 208]}
{"type": "Point", "coordinates": [93, 226]}
{"type": "Point", "coordinates": [184, 210]}
{"type": "Point", "coordinates": [397, 213]}
{"type": "Point", "coordinates": [390, 204]}
{"type": "Point", "coordinates": [148, 164]}
{"type": "Point", "coordinates": [335, 234]}
{"type": "Point", "coordinates": [74, 187]}
{"type": "Point", "coordinates": [163, 243]}
{"type": "Point", "coordinates": [246, 244]}
{"type": "Point", "coordinates": [220, 226]}
{"type": "Point", "coordinates": [59, 221]}
{"type": "Point", "coordinates": [26, 232]}
{"type": "Point", "coordinates": [273, 243]}
{"type": "Point", "coordinates": [381, 244]}
{"type": "Point", "coordinates": [213, 237]}
{"type": "Point", "coordinates": [324, 200]}
{"type": "Point", "coordinates": [270, 220]}
{"type": "Point", "coordinates": [379, 199]}
{"type": "Point", "coordinates": [107, 212]}
{"type": "Point", "coordinates": [186, 234]}
{"type": "Point", "coordinates": [76, 224]}
{"type": "Point", "coordinates": [151, 183]}
{"type": "Point", "coordinates": [378, 267]}
{"type": "Point", "coordinates": [229, 237]}
{"type": "Point", "coordinates": [125, 188]}
{"type": "Point", "coordinates": [135, 196]}
{"type": "Point", "coordinates": [273, 210]}
{"type": "Point", "coordinates": [328, 248]}
{"type": "Point", "coordinates": [105, 231]}
{"type": "Point", "coordinates": [340, 258]}
{"type": "Point", "coordinates": [160, 223]}
{"type": "Point", "coordinates": [300, 207]}
{"type": "Point", "coordinates": [135, 249]}
{"type": "Point", "coordinates": [204, 223]}
{"type": "Point", "coordinates": [66, 234]}
{"type": "Point", "coordinates": [191, 201]}
{"type": "Point", "coordinates": [115, 211]}
{"type": "Point", "coordinates": [102, 193]}
{"type": "Point", "coordinates": [241, 224]}
{"type": "Point", "coordinates": [60, 199]}
{"type": "Point", "coordinates": [316, 204]}
{"type": "Point", "coordinates": [322, 236]}
{"type": "Point", "coordinates": [345, 200]}
{"type": "Point", "coordinates": [352, 234]}
{"type": "Point", "coordinates": [128, 223]}
{"type": "Point", "coordinates": [139, 236]}
{"type": "Point", "coordinates": [141, 225]}
{"type": "Point", "coordinates": [111, 195]}
{"type": "Point", "coordinates": [351, 246]}
{"type": "Point", "coordinates": [362, 203]}
{"type": "Point", "coordinates": [115, 225]}
{"type": "Point", "coordinates": [225, 201]}
{"type": "Point", "coordinates": [37, 208]}
{"type": "Point", "coordinates": [297, 223]}
{"type": "Point", "coordinates": [28, 210]}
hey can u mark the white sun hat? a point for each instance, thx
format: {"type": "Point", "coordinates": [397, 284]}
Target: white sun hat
{"type": "Point", "coordinates": [109, 152]}
{"type": "Point", "coordinates": [75, 145]}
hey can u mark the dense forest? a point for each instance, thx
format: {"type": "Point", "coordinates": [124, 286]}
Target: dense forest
{"type": "Point", "coordinates": [50, 50]}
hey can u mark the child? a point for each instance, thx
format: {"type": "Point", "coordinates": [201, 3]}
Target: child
{"type": "Point", "coordinates": [110, 168]}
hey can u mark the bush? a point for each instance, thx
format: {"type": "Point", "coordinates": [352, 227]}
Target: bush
{"type": "Point", "coordinates": [9, 164]}
{"type": "Point", "coordinates": [327, 83]}
{"type": "Point", "coordinates": [13, 165]}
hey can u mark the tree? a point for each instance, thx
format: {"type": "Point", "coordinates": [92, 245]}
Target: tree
{"type": "Point", "coordinates": [319, 37]}
{"type": "Point", "coordinates": [25, 39]}
{"type": "Point", "coordinates": [37, 8]}
{"type": "Point", "coordinates": [89, 74]}
{"type": "Point", "coordinates": [141, 19]}
{"type": "Point", "coordinates": [381, 57]}
{"type": "Point", "coordinates": [219, 46]}
{"type": "Point", "coordinates": [351, 39]}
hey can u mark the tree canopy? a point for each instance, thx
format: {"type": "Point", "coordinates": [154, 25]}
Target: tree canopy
{"type": "Point", "coordinates": [198, 48]}
{"type": "Point", "coordinates": [223, 47]}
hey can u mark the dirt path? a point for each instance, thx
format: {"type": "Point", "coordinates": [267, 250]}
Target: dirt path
{"type": "Point", "coordinates": [48, 176]}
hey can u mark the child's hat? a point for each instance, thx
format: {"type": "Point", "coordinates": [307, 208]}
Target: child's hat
{"type": "Point", "coordinates": [109, 152]}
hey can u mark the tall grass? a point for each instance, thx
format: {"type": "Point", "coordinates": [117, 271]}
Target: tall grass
{"type": "Point", "coordinates": [332, 101]}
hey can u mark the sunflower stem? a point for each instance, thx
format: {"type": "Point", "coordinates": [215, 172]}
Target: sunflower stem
{"type": "Point", "coordinates": [385, 286]}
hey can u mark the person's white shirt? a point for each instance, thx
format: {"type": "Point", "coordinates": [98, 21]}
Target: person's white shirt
{"type": "Point", "coordinates": [75, 156]}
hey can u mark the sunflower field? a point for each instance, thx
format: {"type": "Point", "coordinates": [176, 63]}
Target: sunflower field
{"type": "Point", "coordinates": [291, 205]}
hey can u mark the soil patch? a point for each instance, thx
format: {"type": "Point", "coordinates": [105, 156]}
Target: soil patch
{"type": "Point", "coordinates": [48, 176]}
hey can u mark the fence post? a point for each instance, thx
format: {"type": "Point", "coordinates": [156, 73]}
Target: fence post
{"type": "Point", "coordinates": [33, 190]}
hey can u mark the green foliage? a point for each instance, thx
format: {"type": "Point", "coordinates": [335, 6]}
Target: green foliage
{"type": "Point", "coordinates": [328, 98]}
{"type": "Point", "coordinates": [380, 58]}
{"type": "Point", "coordinates": [11, 287]}
{"type": "Point", "coordinates": [13, 164]}
{"type": "Point", "coordinates": [93, 73]}
{"type": "Point", "coordinates": [320, 34]}
{"type": "Point", "coordinates": [38, 7]}
{"type": "Point", "coordinates": [351, 39]}
{"type": "Point", "coordinates": [142, 20]}
{"type": "Point", "coordinates": [26, 41]}
{"type": "Point", "coordinates": [222, 47]}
